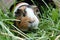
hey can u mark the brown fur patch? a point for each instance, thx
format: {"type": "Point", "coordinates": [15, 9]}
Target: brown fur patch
{"type": "Point", "coordinates": [23, 25]}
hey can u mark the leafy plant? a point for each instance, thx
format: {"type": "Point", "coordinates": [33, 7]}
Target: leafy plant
{"type": "Point", "coordinates": [49, 26]}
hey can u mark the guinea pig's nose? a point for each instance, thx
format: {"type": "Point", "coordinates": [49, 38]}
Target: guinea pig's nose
{"type": "Point", "coordinates": [31, 21]}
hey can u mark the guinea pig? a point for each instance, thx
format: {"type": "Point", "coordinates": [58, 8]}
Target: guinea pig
{"type": "Point", "coordinates": [27, 15]}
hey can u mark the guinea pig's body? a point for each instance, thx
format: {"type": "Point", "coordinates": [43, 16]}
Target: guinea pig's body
{"type": "Point", "coordinates": [25, 13]}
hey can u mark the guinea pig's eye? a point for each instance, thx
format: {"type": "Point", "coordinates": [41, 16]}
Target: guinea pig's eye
{"type": "Point", "coordinates": [19, 22]}
{"type": "Point", "coordinates": [18, 13]}
{"type": "Point", "coordinates": [37, 10]}
{"type": "Point", "coordinates": [24, 13]}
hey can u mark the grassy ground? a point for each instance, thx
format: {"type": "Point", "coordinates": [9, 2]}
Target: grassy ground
{"type": "Point", "coordinates": [49, 26]}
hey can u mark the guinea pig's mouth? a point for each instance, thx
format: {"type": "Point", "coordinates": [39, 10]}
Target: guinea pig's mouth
{"type": "Point", "coordinates": [33, 26]}
{"type": "Point", "coordinates": [30, 26]}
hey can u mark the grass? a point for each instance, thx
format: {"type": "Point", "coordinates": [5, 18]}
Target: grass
{"type": "Point", "coordinates": [49, 26]}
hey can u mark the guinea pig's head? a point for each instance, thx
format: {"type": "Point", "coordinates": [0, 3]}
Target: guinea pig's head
{"type": "Point", "coordinates": [27, 16]}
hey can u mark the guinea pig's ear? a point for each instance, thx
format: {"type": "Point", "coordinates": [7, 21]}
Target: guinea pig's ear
{"type": "Point", "coordinates": [35, 8]}
{"type": "Point", "coordinates": [18, 13]}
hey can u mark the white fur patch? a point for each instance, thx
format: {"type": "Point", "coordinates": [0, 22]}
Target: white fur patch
{"type": "Point", "coordinates": [30, 14]}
